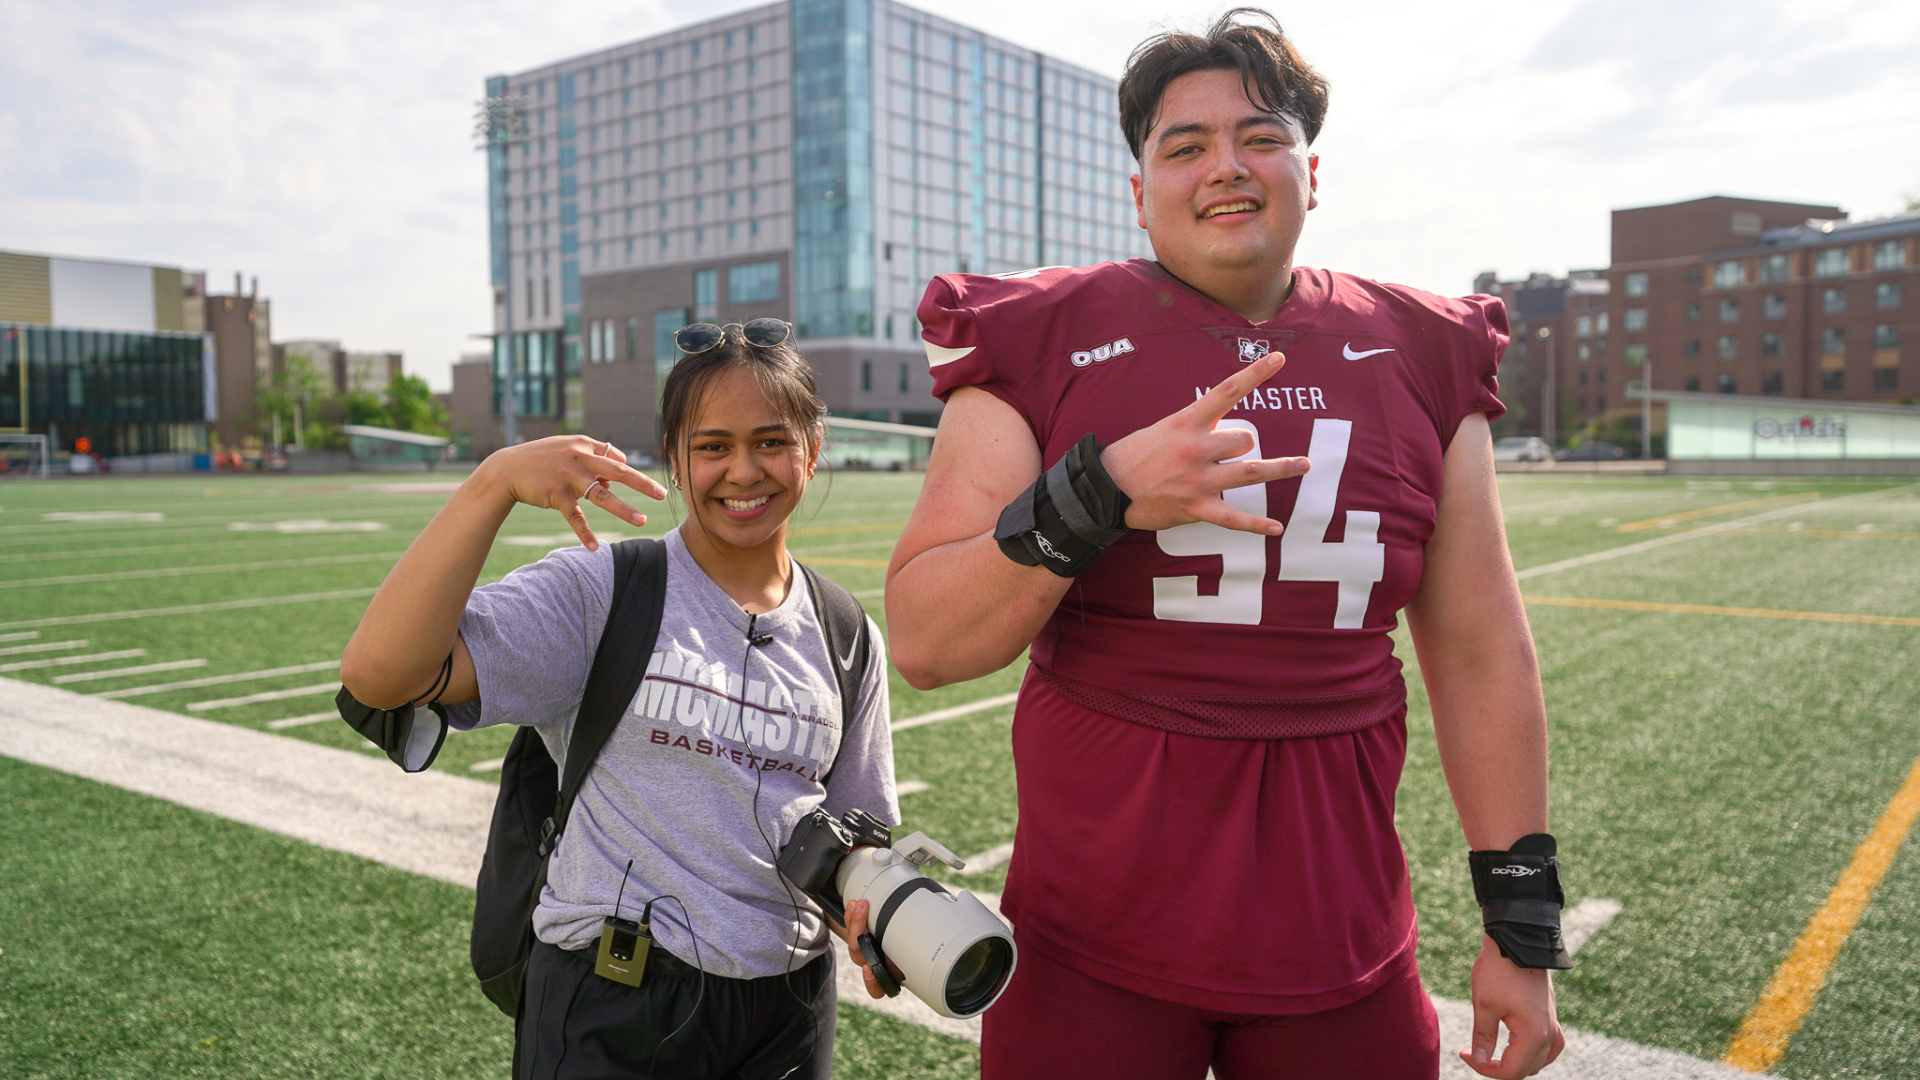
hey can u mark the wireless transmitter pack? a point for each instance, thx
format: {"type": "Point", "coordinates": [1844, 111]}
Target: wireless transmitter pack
{"type": "Point", "coordinates": [624, 944]}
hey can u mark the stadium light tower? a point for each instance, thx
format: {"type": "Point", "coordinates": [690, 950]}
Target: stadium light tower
{"type": "Point", "coordinates": [500, 123]}
{"type": "Point", "coordinates": [1549, 407]}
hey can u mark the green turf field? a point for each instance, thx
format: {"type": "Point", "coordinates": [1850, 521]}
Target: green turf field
{"type": "Point", "coordinates": [1713, 771]}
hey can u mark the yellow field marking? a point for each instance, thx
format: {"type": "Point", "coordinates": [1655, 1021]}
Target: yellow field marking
{"type": "Point", "coordinates": [1708, 609]}
{"type": "Point", "coordinates": [1665, 520]}
{"type": "Point", "coordinates": [823, 530]}
{"type": "Point", "coordinates": [829, 560]}
{"type": "Point", "coordinates": [1833, 534]}
{"type": "Point", "coordinates": [1763, 1036]}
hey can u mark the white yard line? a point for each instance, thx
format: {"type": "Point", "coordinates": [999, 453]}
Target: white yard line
{"type": "Point", "coordinates": [868, 594]}
{"type": "Point", "coordinates": [44, 646]}
{"type": "Point", "coordinates": [956, 711]}
{"type": "Point", "coordinates": [190, 571]}
{"type": "Point", "coordinates": [1800, 509]}
{"type": "Point", "coordinates": [301, 721]}
{"type": "Point", "coordinates": [23, 635]}
{"type": "Point", "coordinates": [911, 787]}
{"type": "Point", "coordinates": [1585, 919]}
{"type": "Point", "coordinates": [988, 859]}
{"type": "Point", "coordinates": [191, 609]}
{"type": "Point", "coordinates": [435, 824]}
{"type": "Point", "coordinates": [264, 695]}
{"type": "Point", "coordinates": [63, 661]}
{"type": "Point", "coordinates": [220, 680]}
{"type": "Point", "coordinates": [123, 672]}
{"type": "Point", "coordinates": [490, 765]}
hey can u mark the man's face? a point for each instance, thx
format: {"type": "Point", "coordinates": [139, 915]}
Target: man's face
{"type": "Point", "coordinates": [1223, 185]}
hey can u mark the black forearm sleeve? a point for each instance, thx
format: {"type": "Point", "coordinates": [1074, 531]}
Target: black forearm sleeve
{"type": "Point", "coordinates": [1067, 517]}
{"type": "Point", "coordinates": [1520, 901]}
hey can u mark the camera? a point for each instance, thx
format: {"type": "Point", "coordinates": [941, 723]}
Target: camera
{"type": "Point", "coordinates": [953, 953]}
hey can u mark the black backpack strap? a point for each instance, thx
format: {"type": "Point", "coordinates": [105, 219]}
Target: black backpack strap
{"type": "Point", "coordinates": [619, 666]}
{"type": "Point", "coordinates": [845, 622]}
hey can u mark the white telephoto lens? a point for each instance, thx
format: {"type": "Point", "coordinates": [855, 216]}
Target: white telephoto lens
{"type": "Point", "coordinates": [953, 953]}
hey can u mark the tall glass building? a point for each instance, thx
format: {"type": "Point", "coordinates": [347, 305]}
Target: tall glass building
{"type": "Point", "coordinates": [815, 160]}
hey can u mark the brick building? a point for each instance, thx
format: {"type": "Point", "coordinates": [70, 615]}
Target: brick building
{"type": "Point", "coordinates": [1723, 295]}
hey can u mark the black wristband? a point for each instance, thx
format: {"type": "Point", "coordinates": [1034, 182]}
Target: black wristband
{"type": "Point", "coordinates": [1068, 516]}
{"type": "Point", "coordinates": [1520, 901]}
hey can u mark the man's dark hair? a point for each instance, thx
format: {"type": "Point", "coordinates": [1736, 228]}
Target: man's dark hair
{"type": "Point", "coordinates": [1275, 77]}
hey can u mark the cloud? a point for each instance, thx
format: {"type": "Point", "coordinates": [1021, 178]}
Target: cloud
{"type": "Point", "coordinates": [325, 147]}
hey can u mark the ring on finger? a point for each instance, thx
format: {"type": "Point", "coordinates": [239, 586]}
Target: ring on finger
{"type": "Point", "coordinates": [601, 483]}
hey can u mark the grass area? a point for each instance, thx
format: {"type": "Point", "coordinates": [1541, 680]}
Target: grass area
{"type": "Point", "coordinates": [1713, 773]}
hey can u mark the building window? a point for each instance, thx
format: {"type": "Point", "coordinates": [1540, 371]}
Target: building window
{"type": "Point", "coordinates": [633, 336]}
{"type": "Point", "coordinates": [753, 283]}
{"type": "Point", "coordinates": [1694, 274]}
{"type": "Point", "coordinates": [1886, 336]}
{"type": "Point", "coordinates": [1776, 268]}
{"type": "Point", "coordinates": [1773, 344]}
{"type": "Point", "coordinates": [866, 375]}
{"type": "Point", "coordinates": [1693, 312]}
{"type": "Point", "coordinates": [1636, 320]}
{"type": "Point", "coordinates": [1693, 383]}
{"type": "Point", "coordinates": [1773, 306]}
{"type": "Point", "coordinates": [1832, 262]}
{"type": "Point", "coordinates": [1726, 384]}
{"type": "Point", "coordinates": [1886, 378]}
{"type": "Point", "coordinates": [1583, 326]}
{"type": "Point", "coordinates": [1728, 347]}
{"type": "Point", "coordinates": [1636, 355]}
{"type": "Point", "coordinates": [1729, 273]}
{"type": "Point", "coordinates": [1729, 311]}
{"type": "Point", "coordinates": [1889, 255]}
{"type": "Point", "coordinates": [1584, 352]}
{"type": "Point", "coordinates": [706, 293]}
{"type": "Point", "coordinates": [1833, 382]}
{"type": "Point", "coordinates": [903, 378]}
{"type": "Point", "coordinates": [1834, 301]}
{"type": "Point", "coordinates": [1636, 284]}
{"type": "Point", "coordinates": [1692, 347]}
{"type": "Point", "coordinates": [1833, 341]}
{"type": "Point", "coordinates": [593, 342]}
{"type": "Point", "coordinates": [1886, 295]}
{"type": "Point", "coordinates": [1600, 323]}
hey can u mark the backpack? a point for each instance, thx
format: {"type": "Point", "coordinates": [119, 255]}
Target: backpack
{"type": "Point", "coordinates": [535, 796]}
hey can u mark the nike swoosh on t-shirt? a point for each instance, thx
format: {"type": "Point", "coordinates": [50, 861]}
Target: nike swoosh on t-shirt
{"type": "Point", "coordinates": [1347, 350]}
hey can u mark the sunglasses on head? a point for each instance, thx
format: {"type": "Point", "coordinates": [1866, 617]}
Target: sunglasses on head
{"type": "Point", "coordinates": [701, 336]}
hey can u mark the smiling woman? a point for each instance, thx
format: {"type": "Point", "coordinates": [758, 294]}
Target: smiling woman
{"type": "Point", "coordinates": [741, 726]}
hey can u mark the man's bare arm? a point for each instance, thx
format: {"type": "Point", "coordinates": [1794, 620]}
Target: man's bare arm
{"type": "Point", "coordinates": [1476, 655]}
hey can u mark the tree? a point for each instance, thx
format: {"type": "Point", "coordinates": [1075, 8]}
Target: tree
{"type": "Point", "coordinates": [411, 406]}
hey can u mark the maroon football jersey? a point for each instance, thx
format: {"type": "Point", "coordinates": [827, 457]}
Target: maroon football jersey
{"type": "Point", "coordinates": [1242, 857]}
{"type": "Point", "coordinates": [1201, 629]}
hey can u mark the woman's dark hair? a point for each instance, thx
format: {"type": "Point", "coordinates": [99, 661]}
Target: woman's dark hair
{"type": "Point", "coordinates": [1275, 77]}
{"type": "Point", "coordinates": [783, 374]}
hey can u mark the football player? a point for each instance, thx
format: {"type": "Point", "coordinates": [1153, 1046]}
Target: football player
{"type": "Point", "coordinates": [1200, 488]}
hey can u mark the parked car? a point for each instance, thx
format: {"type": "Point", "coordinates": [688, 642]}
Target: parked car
{"type": "Point", "coordinates": [1522, 448]}
{"type": "Point", "coordinates": [1592, 450]}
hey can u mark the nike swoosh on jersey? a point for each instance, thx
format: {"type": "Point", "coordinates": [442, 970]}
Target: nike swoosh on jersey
{"type": "Point", "coordinates": [1347, 351]}
{"type": "Point", "coordinates": [940, 354]}
{"type": "Point", "coordinates": [846, 662]}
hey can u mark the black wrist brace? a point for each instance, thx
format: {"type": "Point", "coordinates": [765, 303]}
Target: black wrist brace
{"type": "Point", "coordinates": [1520, 901]}
{"type": "Point", "coordinates": [1068, 516]}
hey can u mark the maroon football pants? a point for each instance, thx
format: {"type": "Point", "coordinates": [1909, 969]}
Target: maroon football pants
{"type": "Point", "coordinates": [1054, 1023]}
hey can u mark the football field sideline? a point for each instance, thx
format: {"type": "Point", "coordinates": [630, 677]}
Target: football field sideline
{"type": "Point", "coordinates": [435, 824]}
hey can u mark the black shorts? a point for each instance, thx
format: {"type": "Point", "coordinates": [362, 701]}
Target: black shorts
{"type": "Point", "coordinates": [576, 1025]}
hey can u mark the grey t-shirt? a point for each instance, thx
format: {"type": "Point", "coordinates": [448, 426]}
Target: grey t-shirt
{"type": "Point", "coordinates": [674, 787]}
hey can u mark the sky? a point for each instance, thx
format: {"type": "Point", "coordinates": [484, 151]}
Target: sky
{"type": "Point", "coordinates": [326, 147]}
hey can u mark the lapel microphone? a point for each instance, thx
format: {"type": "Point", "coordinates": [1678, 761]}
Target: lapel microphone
{"type": "Point", "coordinates": [753, 638]}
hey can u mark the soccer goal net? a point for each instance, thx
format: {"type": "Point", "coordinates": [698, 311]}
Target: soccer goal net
{"type": "Point", "coordinates": [25, 456]}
